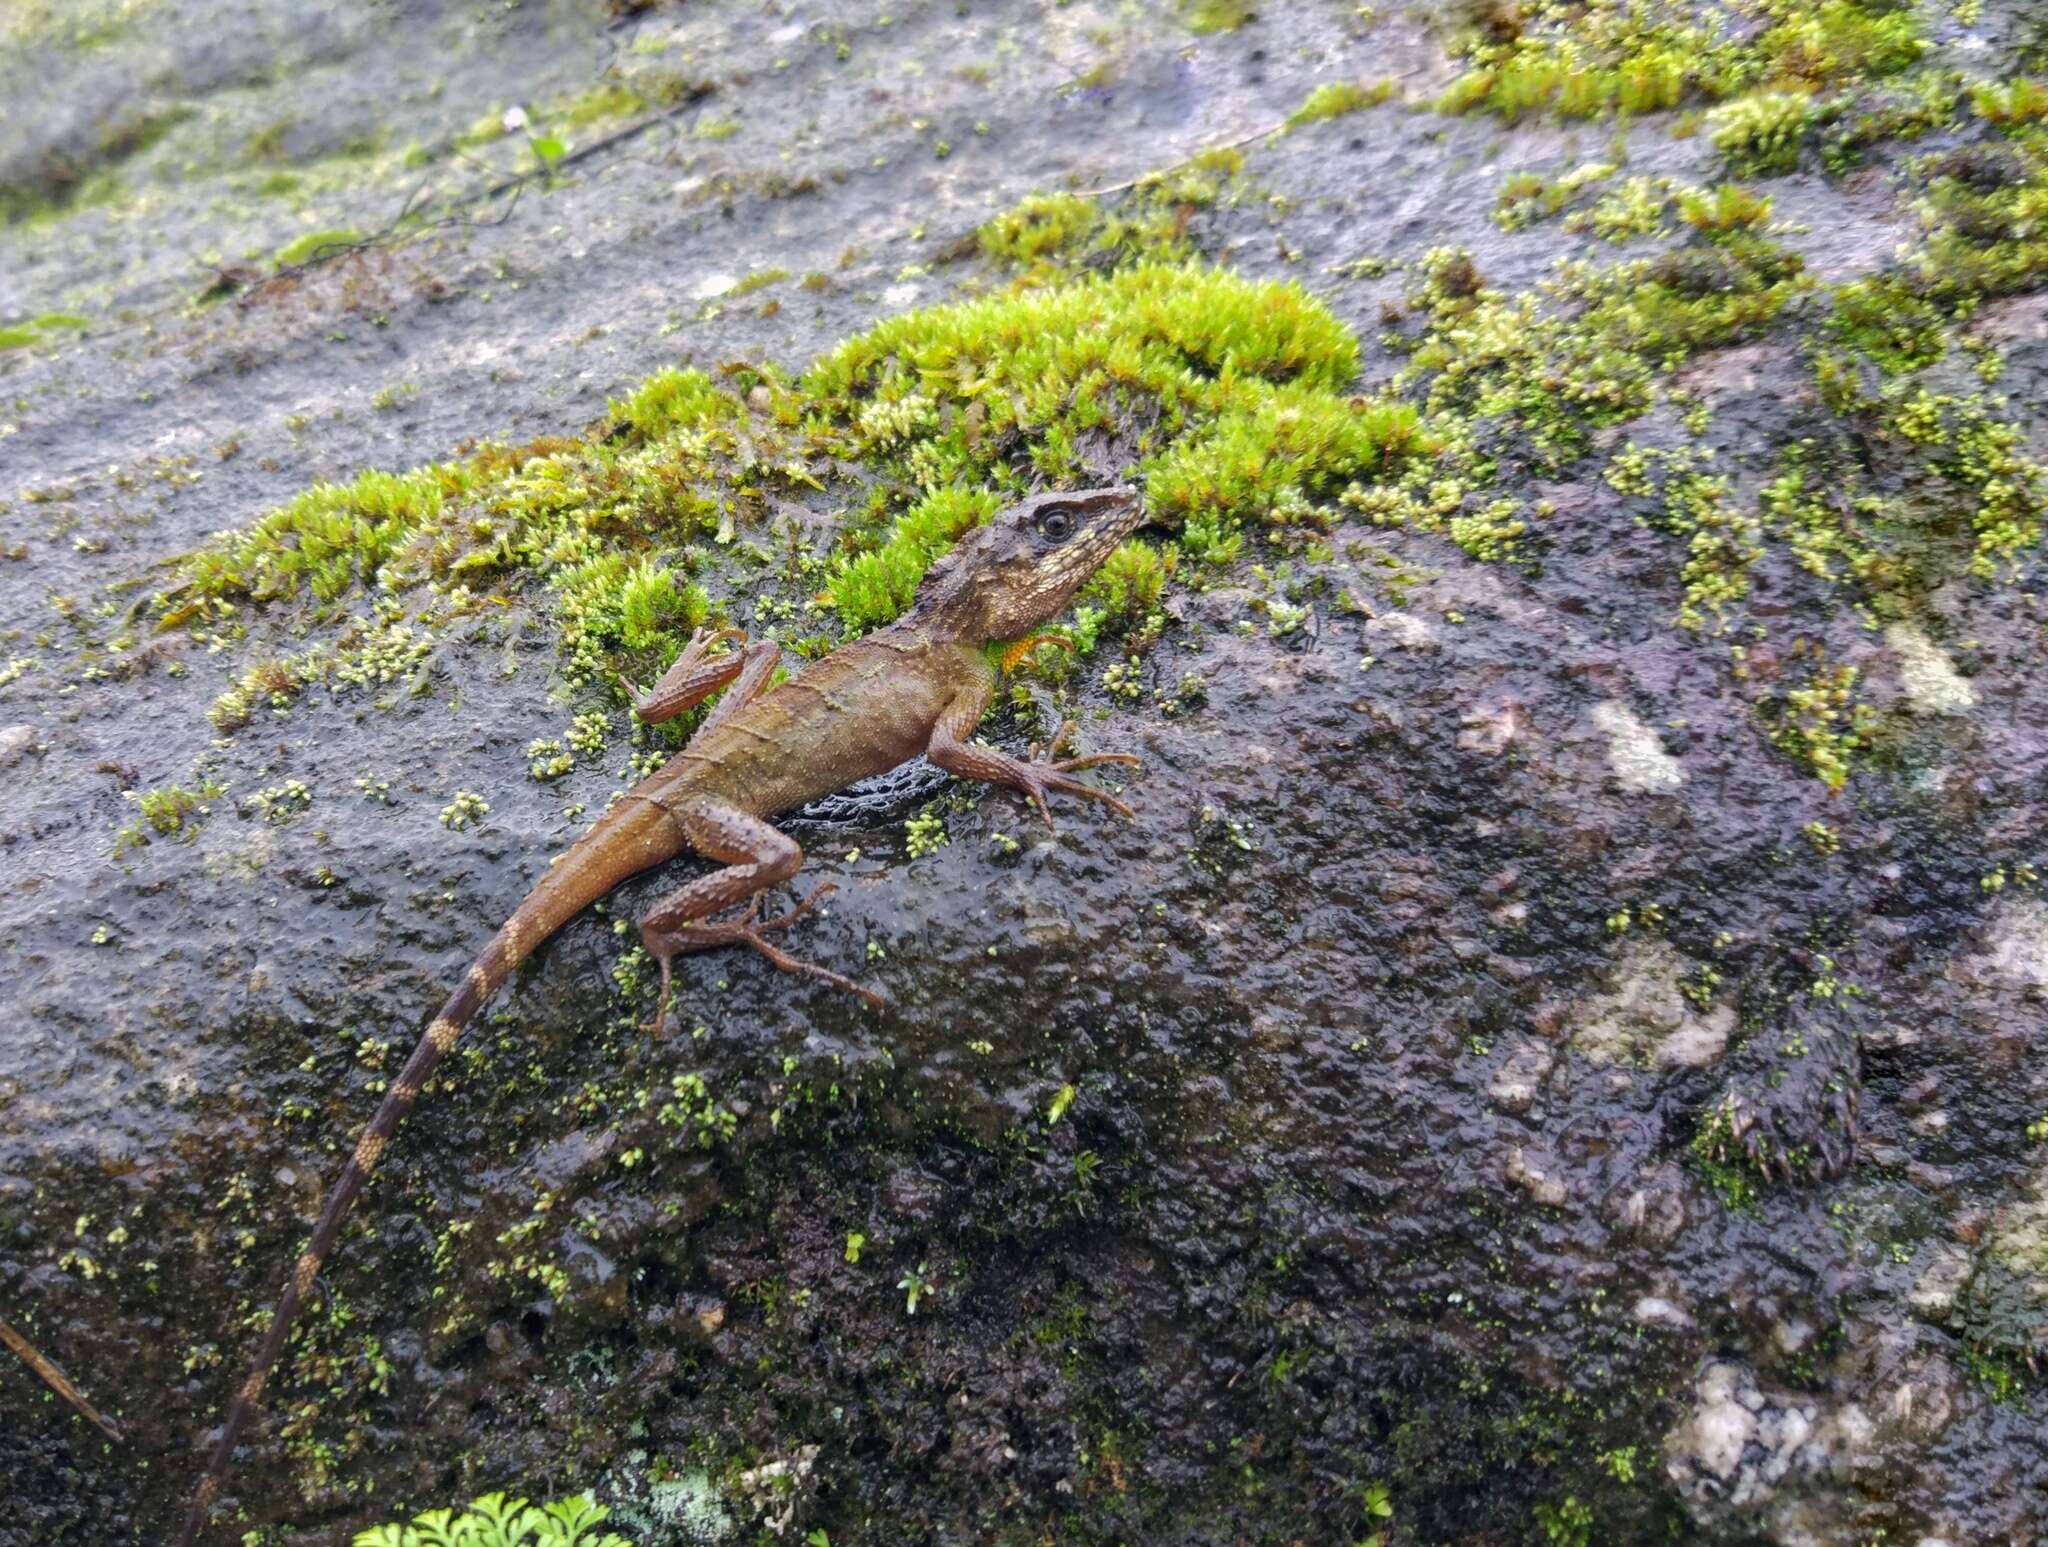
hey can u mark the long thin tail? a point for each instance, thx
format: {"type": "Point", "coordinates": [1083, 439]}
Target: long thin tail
{"type": "Point", "coordinates": [492, 968]}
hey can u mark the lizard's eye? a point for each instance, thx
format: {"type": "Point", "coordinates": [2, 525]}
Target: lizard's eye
{"type": "Point", "coordinates": [1056, 525]}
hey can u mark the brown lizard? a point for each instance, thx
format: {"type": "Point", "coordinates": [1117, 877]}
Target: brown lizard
{"type": "Point", "coordinates": [920, 684]}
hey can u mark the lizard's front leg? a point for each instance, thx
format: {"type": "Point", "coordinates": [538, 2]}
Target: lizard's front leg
{"type": "Point", "coordinates": [694, 677]}
{"type": "Point", "coordinates": [755, 856]}
{"type": "Point", "coordinates": [951, 750]}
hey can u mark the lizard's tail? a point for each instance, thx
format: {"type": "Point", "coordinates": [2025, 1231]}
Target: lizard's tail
{"type": "Point", "coordinates": [491, 969]}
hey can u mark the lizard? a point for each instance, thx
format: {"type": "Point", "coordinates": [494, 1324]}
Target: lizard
{"type": "Point", "coordinates": [920, 684]}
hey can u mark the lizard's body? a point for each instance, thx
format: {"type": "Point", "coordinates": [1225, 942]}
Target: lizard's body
{"type": "Point", "coordinates": [920, 684]}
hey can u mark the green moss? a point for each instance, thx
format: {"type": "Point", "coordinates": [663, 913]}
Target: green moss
{"type": "Point", "coordinates": [314, 244]}
{"type": "Point", "coordinates": [760, 279]}
{"type": "Point", "coordinates": [1239, 387]}
{"type": "Point", "coordinates": [1718, 1155]}
{"type": "Point", "coordinates": [608, 99]}
{"type": "Point", "coordinates": [1589, 59]}
{"type": "Point", "coordinates": [1725, 207]}
{"type": "Point", "coordinates": [331, 537]}
{"type": "Point", "coordinates": [1589, 347]}
{"type": "Point", "coordinates": [1229, 399]}
{"type": "Point", "coordinates": [1526, 198]}
{"type": "Point", "coordinates": [1635, 208]}
{"type": "Point", "coordinates": [2012, 103]}
{"type": "Point", "coordinates": [169, 811]}
{"type": "Point", "coordinates": [873, 587]}
{"type": "Point", "coordinates": [1041, 225]}
{"type": "Point", "coordinates": [1822, 725]}
{"type": "Point", "coordinates": [1206, 16]}
{"type": "Point", "coordinates": [670, 400]}
{"type": "Point", "coordinates": [19, 338]}
{"type": "Point", "coordinates": [1130, 582]}
{"type": "Point", "coordinates": [1904, 108]}
{"type": "Point", "coordinates": [498, 1521]}
{"type": "Point", "coordinates": [1333, 99]}
{"type": "Point", "coordinates": [1047, 234]}
{"type": "Point", "coordinates": [1884, 320]}
{"type": "Point", "coordinates": [1988, 206]}
{"type": "Point", "coordinates": [1723, 538]}
{"type": "Point", "coordinates": [1762, 132]}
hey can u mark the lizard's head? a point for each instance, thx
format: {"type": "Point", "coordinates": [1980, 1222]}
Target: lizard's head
{"type": "Point", "coordinates": [1004, 579]}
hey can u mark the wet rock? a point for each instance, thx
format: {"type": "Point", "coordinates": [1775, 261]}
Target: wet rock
{"type": "Point", "coordinates": [1491, 729]}
{"type": "Point", "coordinates": [1711, 1441]}
{"type": "Point", "coordinates": [1539, 1175]}
{"type": "Point", "coordinates": [1401, 630]}
{"type": "Point", "coordinates": [1515, 1084]}
{"type": "Point", "coordinates": [1793, 1092]}
{"type": "Point", "coordinates": [1656, 1311]}
{"type": "Point", "coordinates": [1275, 1016]}
{"type": "Point", "coordinates": [1654, 1209]}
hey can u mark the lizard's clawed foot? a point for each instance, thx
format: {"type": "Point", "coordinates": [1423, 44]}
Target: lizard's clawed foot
{"type": "Point", "coordinates": [1048, 776]}
{"type": "Point", "coordinates": [646, 701]}
{"type": "Point", "coordinates": [747, 929]}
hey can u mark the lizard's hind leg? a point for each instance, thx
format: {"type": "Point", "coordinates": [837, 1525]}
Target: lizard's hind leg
{"type": "Point", "coordinates": [756, 856]}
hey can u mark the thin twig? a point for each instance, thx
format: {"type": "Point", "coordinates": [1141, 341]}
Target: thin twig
{"type": "Point", "coordinates": [56, 1380]}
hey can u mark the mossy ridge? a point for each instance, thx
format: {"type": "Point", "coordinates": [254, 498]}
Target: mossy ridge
{"type": "Point", "coordinates": [1924, 475]}
{"type": "Point", "coordinates": [1227, 395]}
{"type": "Point", "coordinates": [1589, 348]}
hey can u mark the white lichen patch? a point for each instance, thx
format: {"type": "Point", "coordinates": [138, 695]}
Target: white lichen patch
{"type": "Point", "coordinates": [1659, 1311]}
{"type": "Point", "coordinates": [1927, 676]}
{"type": "Point", "coordinates": [1933, 1294]}
{"type": "Point", "coordinates": [2017, 952]}
{"type": "Point", "coordinates": [1646, 1018]}
{"type": "Point", "coordinates": [1635, 753]}
{"type": "Point", "coordinates": [1738, 1443]}
{"type": "Point", "coordinates": [779, 1489]}
{"type": "Point", "coordinates": [2019, 1235]}
{"type": "Point", "coordinates": [1401, 631]}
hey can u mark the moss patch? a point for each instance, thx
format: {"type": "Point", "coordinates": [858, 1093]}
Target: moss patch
{"type": "Point", "coordinates": [1048, 234]}
{"type": "Point", "coordinates": [1239, 389]}
{"type": "Point", "coordinates": [314, 244]}
{"type": "Point", "coordinates": [1113, 353]}
{"type": "Point", "coordinates": [1228, 398]}
{"type": "Point", "coordinates": [1334, 99]}
{"type": "Point", "coordinates": [1585, 60]}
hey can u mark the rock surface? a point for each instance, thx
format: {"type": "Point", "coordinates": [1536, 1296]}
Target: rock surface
{"type": "Point", "coordinates": [1496, 1072]}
